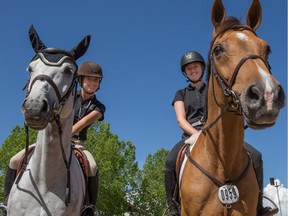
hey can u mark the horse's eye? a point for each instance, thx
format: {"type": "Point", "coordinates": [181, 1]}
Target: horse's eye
{"type": "Point", "coordinates": [218, 50]}
{"type": "Point", "coordinates": [268, 51]}
{"type": "Point", "coordinates": [29, 69]}
{"type": "Point", "coordinates": [68, 70]}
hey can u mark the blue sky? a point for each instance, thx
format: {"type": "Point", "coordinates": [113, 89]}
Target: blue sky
{"type": "Point", "coordinates": [139, 45]}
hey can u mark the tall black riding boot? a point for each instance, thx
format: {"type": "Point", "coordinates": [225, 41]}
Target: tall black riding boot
{"type": "Point", "coordinates": [93, 190]}
{"type": "Point", "coordinates": [261, 210]}
{"type": "Point", "coordinates": [170, 183]}
{"type": "Point", "coordinates": [9, 180]}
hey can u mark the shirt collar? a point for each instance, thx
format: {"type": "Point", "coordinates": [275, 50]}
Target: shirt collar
{"type": "Point", "coordinates": [190, 87]}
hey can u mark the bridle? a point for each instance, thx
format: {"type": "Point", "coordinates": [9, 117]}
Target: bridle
{"type": "Point", "coordinates": [42, 77]}
{"type": "Point", "coordinates": [55, 115]}
{"type": "Point", "coordinates": [226, 86]}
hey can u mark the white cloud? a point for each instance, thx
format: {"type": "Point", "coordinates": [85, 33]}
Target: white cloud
{"type": "Point", "coordinates": [272, 193]}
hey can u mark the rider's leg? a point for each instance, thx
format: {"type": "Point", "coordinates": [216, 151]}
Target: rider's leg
{"type": "Point", "coordinates": [93, 183]}
{"type": "Point", "coordinates": [170, 178]}
{"type": "Point", "coordinates": [256, 157]}
{"type": "Point", "coordinates": [11, 174]}
{"type": "Point", "coordinates": [8, 183]}
{"type": "Point", "coordinates": [93, 190]}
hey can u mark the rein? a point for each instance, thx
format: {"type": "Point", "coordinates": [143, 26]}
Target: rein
{"type": "Point", "coordinates": [67, 163]}
{"type": "Point", "coordinates": [56, 117]}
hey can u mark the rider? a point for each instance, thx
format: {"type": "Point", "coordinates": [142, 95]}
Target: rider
{"type": "Point", "coordinates": [189, 108]}
{"type": "Point", "coordinates": [190, 112]}
{"type": "Point", "coordinates": [87, 110]}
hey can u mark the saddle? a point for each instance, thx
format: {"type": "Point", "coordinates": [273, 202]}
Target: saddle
{"type": "Point", "coordinates": [80, 155]}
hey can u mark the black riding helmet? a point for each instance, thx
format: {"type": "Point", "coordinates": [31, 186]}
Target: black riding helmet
{"type": "Point", "coordinates": [189, 57]}
{"type": "Point", "coordinates": [89, 69]}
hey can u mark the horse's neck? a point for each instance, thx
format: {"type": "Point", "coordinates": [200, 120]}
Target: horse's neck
{"type": "Point", "coordinates": [225, 139]}
{"type": "Point", "coordinates": [48, 152]}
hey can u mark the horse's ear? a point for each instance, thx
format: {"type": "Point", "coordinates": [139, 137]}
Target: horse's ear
{"type": "Point", "coordinates": [218, 14]}
{"type": "Point", "coordinates": [81, 48]}
{"type": "Point", "coordinates": [254, 15]}
{"type": "Point", "coordinates": [36, 43]}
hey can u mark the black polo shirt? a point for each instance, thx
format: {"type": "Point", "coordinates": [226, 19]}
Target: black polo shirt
{"type": "Point", "coordinates": [83, 108]}
{"type": "Point", "coordinates": [194, 102]}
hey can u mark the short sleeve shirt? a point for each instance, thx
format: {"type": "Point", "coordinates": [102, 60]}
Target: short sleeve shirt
{"type": "Point", "coordinates": [194, 102]}
{"type": "Point", "coordinates": [84, 107]}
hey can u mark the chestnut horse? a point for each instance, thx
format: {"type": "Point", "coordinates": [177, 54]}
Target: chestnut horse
{"type": "Point", "coordinates": [52, 182]}
{"type": "Point", "coordinates": [218, 178]}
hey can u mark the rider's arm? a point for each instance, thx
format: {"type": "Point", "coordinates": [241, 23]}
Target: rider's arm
{"type": "Point", "coordinates": [85, 121]}
{"type": "Point", "coordinates": [181, 118]}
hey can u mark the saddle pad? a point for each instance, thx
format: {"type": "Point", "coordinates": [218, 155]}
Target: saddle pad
{"type": "Point", "coordinates": [190, 141]}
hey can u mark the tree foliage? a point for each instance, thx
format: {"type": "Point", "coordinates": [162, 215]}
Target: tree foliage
{"type": "Point", "coordinates": [117, 168]}
{"type": "Point", "coordinates": [152, 192]}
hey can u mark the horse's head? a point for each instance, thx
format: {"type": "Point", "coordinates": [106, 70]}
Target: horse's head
{"type": "Point", "coordinates": [52, 82]}
{"type": "Point", "coordinates": [238, 59]}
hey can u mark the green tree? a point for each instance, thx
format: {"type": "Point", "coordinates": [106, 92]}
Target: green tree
{"type": "Point", "coordinates": [152, 191]}
{"type": "Point", "coordinates": [117, 168]}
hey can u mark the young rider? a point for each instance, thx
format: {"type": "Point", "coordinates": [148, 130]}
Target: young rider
{"type": "Point", "coordinates": [88, 110]}
{"type": "Point", "coordinates": [189, 108]}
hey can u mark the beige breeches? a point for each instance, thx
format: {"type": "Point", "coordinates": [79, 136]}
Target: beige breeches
{"type": "Point", "coordinates": [14, 161]}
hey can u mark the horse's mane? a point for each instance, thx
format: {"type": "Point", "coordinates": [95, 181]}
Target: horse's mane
{"type": "Point", "coordinates": [229, 23]}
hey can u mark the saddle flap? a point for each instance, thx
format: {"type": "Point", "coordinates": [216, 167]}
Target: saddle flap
{"type": "Point", "coordinates": [83, 161]}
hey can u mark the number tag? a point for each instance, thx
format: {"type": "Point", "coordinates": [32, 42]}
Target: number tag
{"type": "Point", "coordinates": [228, 194]}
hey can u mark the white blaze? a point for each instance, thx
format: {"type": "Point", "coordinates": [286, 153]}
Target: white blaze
{"type": "Point", "coordinates": [242, 36]}
{"type": "Point", "coordinates": [268, 94]}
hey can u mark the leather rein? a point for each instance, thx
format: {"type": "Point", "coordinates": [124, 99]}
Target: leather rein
{"type": "Point", "coordinates": [54, 116]}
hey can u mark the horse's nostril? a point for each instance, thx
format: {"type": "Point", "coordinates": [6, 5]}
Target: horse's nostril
{"type": "Point", "coordinates": [253, 98]}
{"type": "Point", "coordinates": [253, 93]}
{"type": "Point", "coordinates": [281, 96]}
{"type": "Point", "coordinates": [44, 106]}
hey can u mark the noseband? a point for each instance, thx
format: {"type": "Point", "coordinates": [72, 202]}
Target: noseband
{"type": "Point", "coordinates": [226, 86]}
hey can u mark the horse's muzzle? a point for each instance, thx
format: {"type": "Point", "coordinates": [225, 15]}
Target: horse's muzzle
{"type": "Point", "coordinates": [262, 107]}
{"type": "Point", "coordinates": [36, 113]}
